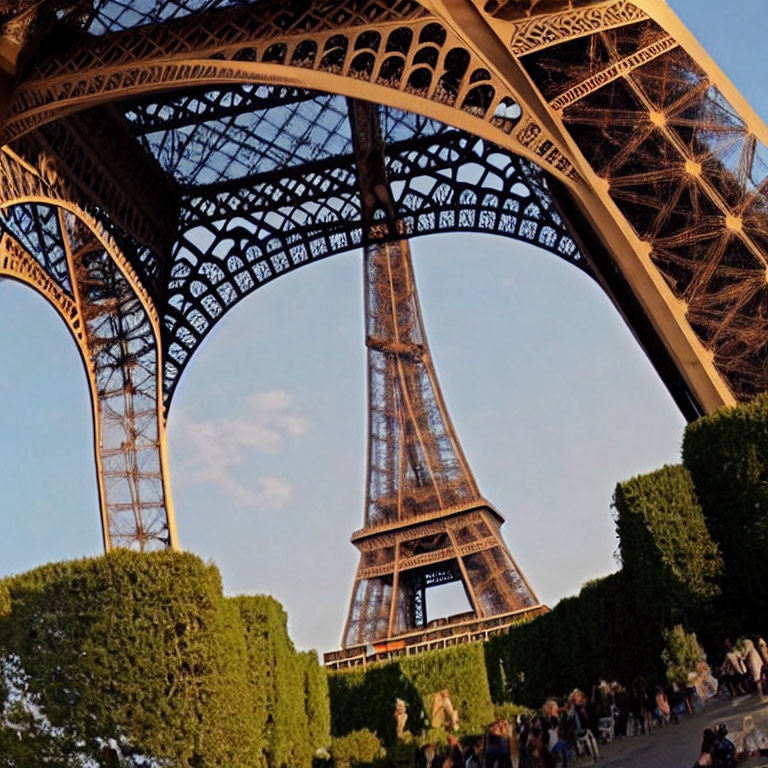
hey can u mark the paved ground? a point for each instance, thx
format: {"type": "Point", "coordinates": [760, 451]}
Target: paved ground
{"type": "Point", "coordinates": [677, 746]}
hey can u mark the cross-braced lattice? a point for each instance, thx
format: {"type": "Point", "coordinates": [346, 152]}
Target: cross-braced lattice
{"type": "Point", "coordinates": [205, 145]}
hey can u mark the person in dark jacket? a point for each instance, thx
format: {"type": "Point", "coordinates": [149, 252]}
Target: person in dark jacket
{"type": "Point", "coordinates": [723, 750]}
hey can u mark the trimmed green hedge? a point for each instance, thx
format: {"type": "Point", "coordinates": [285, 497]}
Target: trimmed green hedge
{"type": "Point", "coordinates": [275, 667]}
{"type": "Point", "coordinates": [317, 703]}
{"type": "Point", "coordinates": [727, 456]}
{"type": "Point", "coordinates": [666, 550]}
{"type": "Point", "coordinates": [356, 749]}
{"type": "Point", "coordinates": [144, 649]}
{"type": "Point", "coordinates": [365, 697]}
{"type": "Point", "coordinates": [132, 648]}
{"type": "Point", "coordinates": [613, 629]}
{"type": "Point", "coordinates": [597, 634]}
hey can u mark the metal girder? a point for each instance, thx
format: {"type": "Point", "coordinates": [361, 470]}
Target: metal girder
{"type": "Point", "coordinates": [110, 318]}
{"type": "Point", "coordinates": [636, 152]}
{"type": "Point", "coordinates": [395, 53]}
{"type": "Point", "coordinates": [17, 263]}
{"type": "Point", "coordinates": [36, 228]}
{"type": "Point", "coordinates": [123, 359]}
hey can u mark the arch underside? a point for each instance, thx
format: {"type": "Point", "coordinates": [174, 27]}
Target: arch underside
{"type": "Point", "coordinates": [662, 173]}
{"type": "Point", "coordinates": [265, 182]}
{"type": "Point", "coordinates": [265, 191]}
{"type": "Point", "coordinates": [685, 168]}
{"type": "Point", "coordinates": [645, 148]}
{"type": "Point", "coordinates": [51, 250]}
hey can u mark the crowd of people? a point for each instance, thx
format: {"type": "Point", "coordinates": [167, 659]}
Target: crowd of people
{"type": "Point", "coordinates": [578, 724]}
{"type": "Point", "coordinates": [560, 732]}
{"type": "Point", "coordinates": [744, 666]}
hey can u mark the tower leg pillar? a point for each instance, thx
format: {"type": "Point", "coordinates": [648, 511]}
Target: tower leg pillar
{"type": "Point", "coordinates": [115, 324]}
{"type": "Point", "coordinates": [122, 360]}
{"type": "Point", "coordinates": [468, 588]}
{"type": "Point", "coordinates": [395, 593]}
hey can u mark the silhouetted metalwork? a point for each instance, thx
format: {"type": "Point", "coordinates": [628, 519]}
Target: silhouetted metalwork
{"type": "Point", "coordinates": [162, 160]}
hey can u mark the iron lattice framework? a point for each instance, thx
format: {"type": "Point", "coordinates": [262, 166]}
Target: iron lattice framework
{"type": "Point", "coordinates": [162, 160]}
{"type": "Point", "coordinates": [425, 521]}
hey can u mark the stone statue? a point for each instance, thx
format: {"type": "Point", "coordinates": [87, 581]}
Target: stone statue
{"type": "Point", "coordinates": [443, 713]}
{"type": "Point", "coordinates": [401, 717]}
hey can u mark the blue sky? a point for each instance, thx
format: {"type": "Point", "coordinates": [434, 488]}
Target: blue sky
{"type": "Point", "coordinates": [552, 399]}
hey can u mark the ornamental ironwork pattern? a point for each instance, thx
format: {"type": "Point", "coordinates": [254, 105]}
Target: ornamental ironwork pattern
{"type": "Point", "coordinates": [631, 96]}
{"type": "Point", "coordinates": [396, 47]}
{"type": "Point", "coordinates": [542, 31]}
{"type": "Point", "coordinates": [305, 205]}
{"type": "Point", "coordinates": [17, 263]}
{"type": "Point", "coordinates": [36, 228]}
{"type": "Point", "coordinates": [205, 146]}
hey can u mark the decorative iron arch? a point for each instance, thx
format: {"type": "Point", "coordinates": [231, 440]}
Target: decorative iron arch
{"type": "Point", "coordinates": [608, 108]}
{"type": "Point", "coordinates": [80, 271]}
{"type": "Point", "coordinates": [237, 234]}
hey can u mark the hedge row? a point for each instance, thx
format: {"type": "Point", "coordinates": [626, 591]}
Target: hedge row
{"type": "Point", "coordinates": [365, 697]}
{"type": "Point", "coordinates": [667, 552]}
{"type": "Point", "coordinates": [613, 629]}
{"type": "Point", "coordinates": [144, 649]}
{"type": "Point", "coordinates": [727, 456]}
{"type": "Point", "coordinates": [581, 639]}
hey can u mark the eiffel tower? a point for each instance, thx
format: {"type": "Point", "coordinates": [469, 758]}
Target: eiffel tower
{"type": "Point", "coordinates": [426, 523]}
{"type": "Point", "coordinates": [160, 161]}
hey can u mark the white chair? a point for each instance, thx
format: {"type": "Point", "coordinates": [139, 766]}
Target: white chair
{"type": "Point", "coordinates": [605, 729]}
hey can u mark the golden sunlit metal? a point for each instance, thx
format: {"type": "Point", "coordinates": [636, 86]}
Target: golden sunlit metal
{"type": "Point", "coordinates": [159, 163]}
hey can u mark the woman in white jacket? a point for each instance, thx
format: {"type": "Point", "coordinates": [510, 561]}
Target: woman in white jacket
{"type": "Point", "coordinates": [753, 661]}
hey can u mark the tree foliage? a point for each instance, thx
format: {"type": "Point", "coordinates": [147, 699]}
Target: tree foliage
{"type": "Point", "coordinates": [145, 650]}
{"type": "Point", "coordinates": [613, 629]}
{"type": "Point", "coordinates": [365, 697]}
{"type": "Point", "coordinates": [727, 456]}
{"type": "Point", "coordinates": [317, 702]}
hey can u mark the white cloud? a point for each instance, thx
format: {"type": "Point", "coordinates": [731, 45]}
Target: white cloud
{"type": "Point", "coordinates": [274, 493]}
{"type": "Point", "coordinates": [212, 451]}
